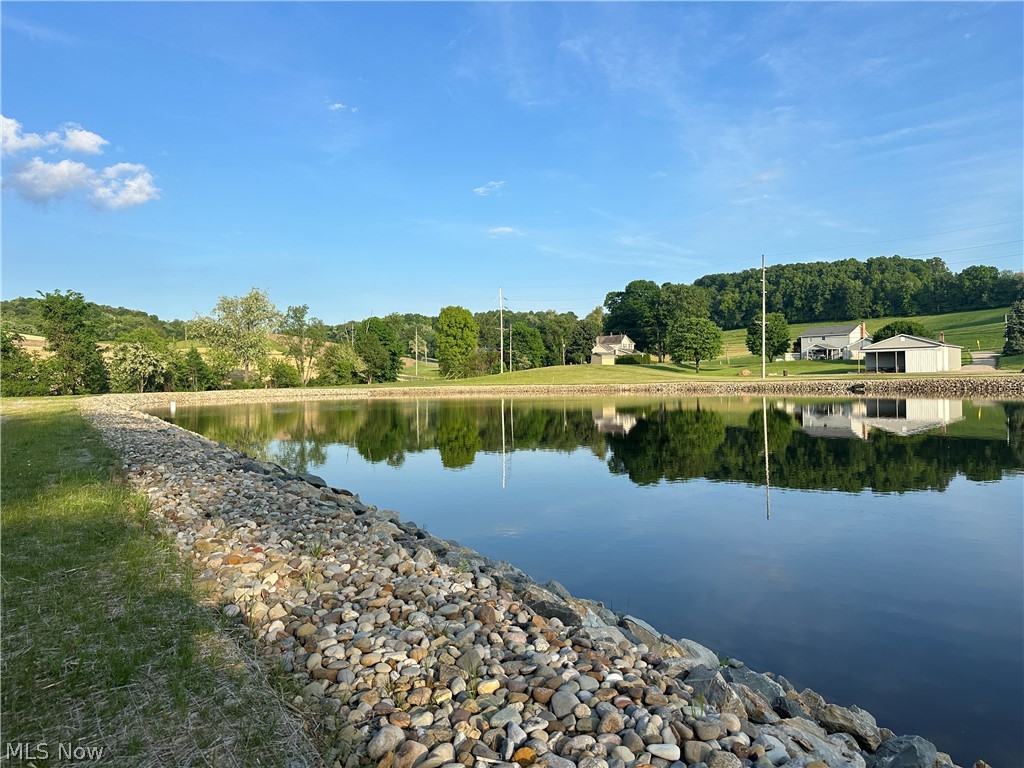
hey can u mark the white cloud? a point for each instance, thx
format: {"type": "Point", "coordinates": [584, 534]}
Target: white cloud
{"type": "Point", "coordinates": [337, 106]}
{"type": "Point", "coordinates": [70, 138]}
{"type": "Point", "coordinates": [490, 188]}
{"type": "Point", "coordinates": [40, 181]}
{"type": "Point", "coordinates": [13, 140]}
{"type": "Point", "coordinates": [123, 185]}
{"type": "Point", "coordinates": [503, 231]}
{"type": "Point", "coordinates": [77, 139]}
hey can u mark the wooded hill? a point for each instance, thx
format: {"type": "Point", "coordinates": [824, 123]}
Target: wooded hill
{"type": "Point", "coordinates": [24, 316]}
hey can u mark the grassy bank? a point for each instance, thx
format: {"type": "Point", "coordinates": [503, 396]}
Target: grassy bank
{"type": "Point", "coordinates": [105, 643]}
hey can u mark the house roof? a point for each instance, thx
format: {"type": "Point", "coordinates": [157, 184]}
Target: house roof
{"type": "Point", "coordinates": [831, 330]}
{"type": "Point", "coordinates": [906, 341]}
{"type": "Point", "coordinates": [613, 340]}
{"type": "Point", "coordinates": [602, 349]}
{"type": "Point", "coordinates": [819, 345]}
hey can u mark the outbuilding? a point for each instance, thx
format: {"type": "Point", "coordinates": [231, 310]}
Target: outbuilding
{"type": "Point", "coordinates": [904, 353]}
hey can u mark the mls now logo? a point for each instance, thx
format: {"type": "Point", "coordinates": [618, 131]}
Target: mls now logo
{"type": "Point", "coordinates": [25, 750]}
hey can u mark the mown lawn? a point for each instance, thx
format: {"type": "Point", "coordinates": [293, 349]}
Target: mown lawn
{"type": "Point", "coordinates": [106, 645]}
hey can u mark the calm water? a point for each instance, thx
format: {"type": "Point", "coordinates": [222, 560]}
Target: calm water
{"type": "Point", "coordinates": [884, 567]}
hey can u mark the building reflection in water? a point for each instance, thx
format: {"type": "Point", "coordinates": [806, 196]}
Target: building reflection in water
{"type": "Point", "coordinates": [856, 419]}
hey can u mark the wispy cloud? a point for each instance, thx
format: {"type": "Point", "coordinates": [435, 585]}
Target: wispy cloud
{"type": "Point", "coordinates": [646, 243]}
{"type": "Point", "coordinates": [760, 178]}
{"type": "Point", "coordinates": [37, 31]}
{"type": "Point", "coordinates": [337, 106]}
{"type": "Point", "coordinates": [503, 232]}
{"type": "Point", "coordinates": [490, 188]}
{"type": "Point", "coordinates": [908, 131]}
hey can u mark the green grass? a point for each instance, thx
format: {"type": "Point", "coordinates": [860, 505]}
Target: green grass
{"type": "Point", "coordinates": [1011, 363]}
{"type": "Point", "coordinates": [423, 371]}
{"type": "Point", "coordinates": [985, 420]}
{"type": "Point", "coordinates": [106, 644]}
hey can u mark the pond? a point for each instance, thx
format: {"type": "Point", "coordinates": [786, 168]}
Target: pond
{"type": "Point", "coordinates": [882, 563]}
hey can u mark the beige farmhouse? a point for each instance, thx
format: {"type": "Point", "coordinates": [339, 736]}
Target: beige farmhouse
{"type": "Point", "coordinates": [911, 354]}
{"type": "Point", "coordinates": [607, 348]}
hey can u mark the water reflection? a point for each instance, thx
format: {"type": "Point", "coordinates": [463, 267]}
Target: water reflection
{"type": "Point", "coordinates": [887, 445]}
{"type": "Point", "coordinates": [657, 506]}
{"type": "Point", "coordinates": [856, 419]}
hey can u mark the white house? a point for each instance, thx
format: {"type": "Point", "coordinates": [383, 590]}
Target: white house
{"type": "Point", "coordinates": [911, 354]}
{"type": "Point", "coordinates": [834, 342]}
{"type": "Point", "coordinates": [607, 348]}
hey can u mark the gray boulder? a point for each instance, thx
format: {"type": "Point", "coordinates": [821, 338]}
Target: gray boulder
{"type": "Point", "coordinates": [904, 752]}
{"type": "Point", "coordinates": [807, 741]}
{"type": "Point", "coordinates": [758, 709]}
{"type": "Point", "coordinates": [315, 480]}
{"type": "Point", "coordinates": [709, 684]}
{"type": "Point", "coordinates": [833, 718]}
{"type": "Point", "coordinates": [764, 687]}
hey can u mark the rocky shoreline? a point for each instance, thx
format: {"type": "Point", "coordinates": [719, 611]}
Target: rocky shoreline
{"type": "Point", "coordinates": [420, 653]}
{"type": "Point", "coordinates": [999, 386]}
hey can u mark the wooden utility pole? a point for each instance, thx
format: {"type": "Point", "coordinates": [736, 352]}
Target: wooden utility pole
{"type": "Point", "coordinates": [416, 358]}
{"type": "Point", "coordinates": [501, 330]}
{"type": "Point", "coordinates": [764, 318]}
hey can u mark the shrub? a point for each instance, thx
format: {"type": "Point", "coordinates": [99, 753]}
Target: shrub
{"type": "Point", "coordinates": [637, 358]}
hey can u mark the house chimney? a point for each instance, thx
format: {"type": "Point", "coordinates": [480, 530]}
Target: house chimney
{"type": "Point", "coordinates": [863, 330]}
{"type": "Point", "coordinates": [942, 336]}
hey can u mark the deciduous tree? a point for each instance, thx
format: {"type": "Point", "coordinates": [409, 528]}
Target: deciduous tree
{"type": "Point", "coordinates": [304, 338]}
{"type": "Point", "coordinates": [896, 327]}
{"type": "Point", "coordinates": [696, 339]}
{"type": "Point", "coordinates": [339, 364]}
{"type": "Point", "coordinates": [457, 333]}
{"type": "Point", "coordinates": [776, 335]}
{"type": "Point", "coordinates": [75, 365]}
{"type": "Point", "coordinates": [239, 326]}
{"type": "Point", "coordinates": [380, 350]}
{"type": "Point", "coordinates": [136, 367]}
{"type": "Point", "coordinates": [20, 374]}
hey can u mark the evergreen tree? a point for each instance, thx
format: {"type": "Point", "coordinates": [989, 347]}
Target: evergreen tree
{"type": "Point", "coordinates": [1015, 329]}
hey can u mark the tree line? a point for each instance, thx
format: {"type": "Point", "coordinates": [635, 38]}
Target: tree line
{"type": "Point", "coordinates": [808, 293]}
{"type": "Point", "coordinates": [684, 321]}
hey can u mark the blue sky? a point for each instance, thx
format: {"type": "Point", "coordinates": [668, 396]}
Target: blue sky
{"type": "Point", "coordinates": [366, 158]}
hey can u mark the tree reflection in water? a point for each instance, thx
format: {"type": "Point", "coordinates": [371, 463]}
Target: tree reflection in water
{"type": "Point", "coordinates": [648, 441]}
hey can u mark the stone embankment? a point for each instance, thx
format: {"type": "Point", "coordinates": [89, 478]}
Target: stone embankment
{"type": "Point", "coordinates": [419, 653]}
{"type": "Point", "coordinates": [999, 387]}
